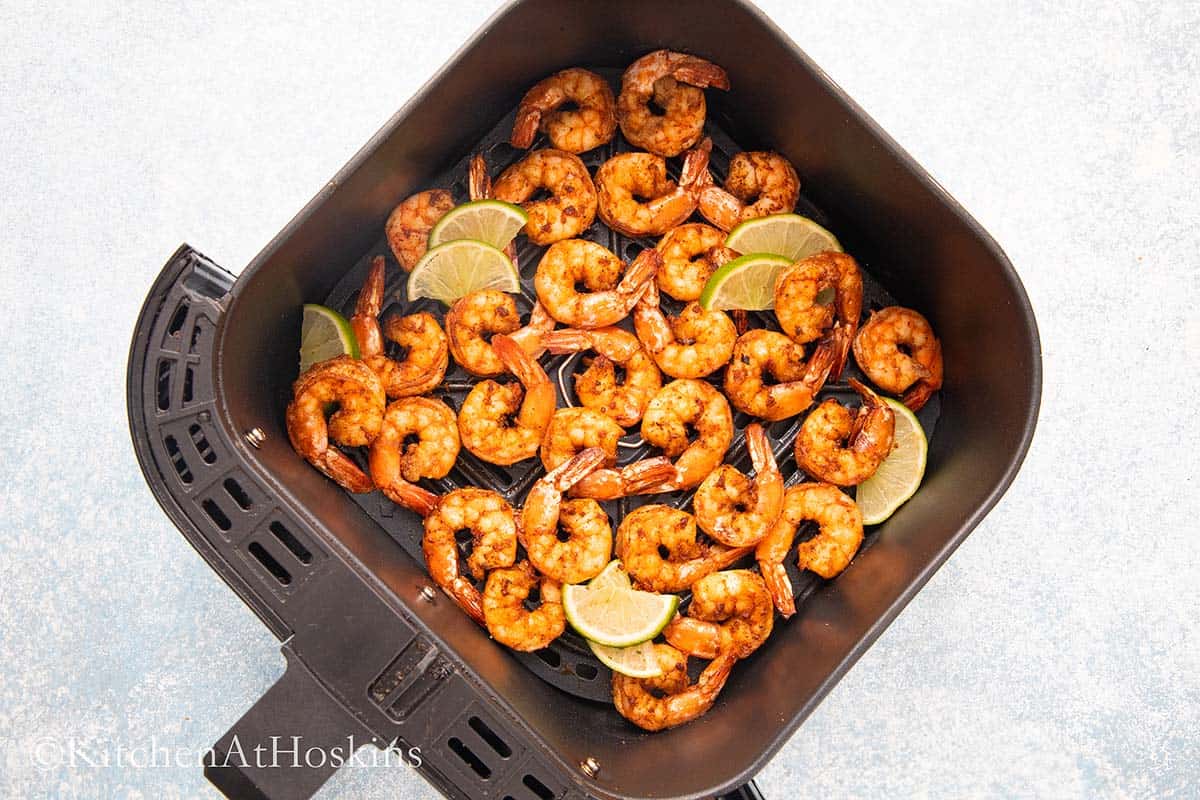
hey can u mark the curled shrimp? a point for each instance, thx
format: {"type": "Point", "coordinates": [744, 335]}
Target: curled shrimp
{"type": "Point", "coordinates": [504, 424]}
{"type": "Point", "coordinates": [573, 430]}
{"type": "Point", "coordinates": [689, 404]}
{"type": "Point", "coordinates": [637, 198]}
{"type": "Point", "coordinates": [674, 82]}
{"type": "Point", "coordinates": [570, 209]}
{"type": "Point", "coordinates": [597, 386]}
{"type": "Point", "coordinates": [799, 291]}
{"type": "Point", "coordinates": [591, 123]}
{"type": "Point", "coordinates": [696, 343]}
{"type": "Point", "coordinates": [899, 353]}
{"type": "Point", "coordinates": [686, 265]}
{"type": "Point", "coordinates": [730, 612]}
{"type": "Point", "coordinates": [609, 296]}
{"type": "Point", "coordinates": [360, 399]}
{"type": "Point", "coordinates": [843, 448]}
{"type": "Point", "coordinates": [796, 379]}
{"type": "Point", "coordinates": [506, 616]}
{"type": "Point", "coordinates": [649, 531]}
{"type": "Point", "coordinates": [490, 520]}
{"type": "Point", "coordinates": [671, 699]}
{"type": "Point", "coordinates": [827, 553]}
{"type": "Point", "coordinates": [757, 184]}
{"type": "Point", "coordinates": [396, 466]}
{"type": "Point", "coordinates": [476, 316]}
{"type": "Point", "coordinates": [588, 547]}
{"type": "Point", "coordinates": [738, 511]}
{"type": "Point", "coordinates": [407, 227]}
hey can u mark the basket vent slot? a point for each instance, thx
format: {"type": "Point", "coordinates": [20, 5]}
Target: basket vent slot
{"type": "Point", "coordinates": [586, 671]}
{"type": "Point", "coordinates": [537, 787]}
{"type": "Point", "coordinates": [270, 564]}
{"type": "Point", "coordinates": [177, 460]}
{"type": "Point", "coordinates": [488, 735]}
{"type": "Point", "coordinates": [176, 323]}
{"type": "Point", "coordinates": [551, 657]}
{"type": "Point", "coordinates": [163, 384]}
{"type": "Point", "coordinates": [237, 494]}
{"type": "Point", "coordinates": [199, 332]}
{"type": "Point", "coordinates": [201, 442]}
{"type": "Point", "coordinates": [188, 380]}
{"type": "Point", "coordinates": [216, 514]}
{"type": "Point", "coordinates": [469, 758]}
{"type": "Point", "coordinates": [289, 540]}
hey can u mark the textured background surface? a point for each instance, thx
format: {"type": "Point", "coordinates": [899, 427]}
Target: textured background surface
{"type": "Point", "coordinates": [1057, 653]}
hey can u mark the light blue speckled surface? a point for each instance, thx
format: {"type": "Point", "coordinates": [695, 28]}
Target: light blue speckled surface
{"type": "Point", "coordinates": [1056, 654]}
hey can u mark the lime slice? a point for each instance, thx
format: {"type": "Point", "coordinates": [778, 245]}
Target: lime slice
{"type": "Point", "coordinates": [747, 282]}
{"type": "Point", "coordinates": [324, 334]}
{"type": "Point", "coordinates": [459, 267]}
{"type": "Point", "coordinates": [609, 611]}
{"type": "Point", "coordinates": [491, 221]}
{"type": "Point", "coordinates": [636, 661]}
{"type": "Point", "coordinates": [900, 474]}
{"type": "Point", "coordinates": [788, 235]}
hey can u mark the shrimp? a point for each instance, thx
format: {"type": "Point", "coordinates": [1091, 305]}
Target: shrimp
{"type": "Point", "coordinates": [655, 704]}
{"type": "Point", "coordinates": [426, 351]}
{"type": "Point", "coordinates": [649, 531]}
{"type": "Point", "coordinates": [479, 314]}
{"type": "Point", "coordinates": [407, 227]}
{"type": "Point", "coordinates": [396, 466]}
{"type": "Point", "coordinates": [609, 295]}
{"type": "Point", "coordinates": [899, 353]}
{"type": "Point", "coordinates": [733, 509]}
{"type": "Point", "coordinates": [591, 123]}
{"type": "Point", "coordinates": [597, 386]}
{"type": "Point", "coordinates": [360, 399]}
{"type": "Point", "coordinates": [683, 404]}
{"type": "Point", "coordinates": [730, 612]}
{"type": "Point", "coordinates": [757, 184]}
{"type": "Point", "coordinates": [827, 554]}
{"type": "Point", "coordinates": [675, 82]}
{"type": "Point", "coordinates": [569, 211]}
{"type": "Point", "coordinates": [626, 177]}
{"type": "Point", "coordinates": [692, 345]}
{"type": "Point", "coordinates": [575, 429]}
{"type": "Point", "coordinates": [493, 527]}
{"type": "Point", "coordinates": [845, 449]}
{"type": "Point", "coordinates": [506, 616]}
{"type": "Point", "coordinates": [686, 265]}
{"type": "Point", "coordinates": [799, 290]}
{"type": "Point", "coordinates": [502, 424]}
{"type": "Point", "coordinates": [588, 548]}
{"type": "Point", "coordinates": [759, 353]}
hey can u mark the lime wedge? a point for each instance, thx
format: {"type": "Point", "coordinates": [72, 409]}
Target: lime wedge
{"type": "Point", "coordinates": [789, 235]}
{"type": "Point", "coordinates": [609, 611]}
{"type": "Point", "coordinates": [459, 267]}
{"type": "Point", "coordinates": [636, 661]}
{"type": "Point", "coordinates": [491, 221]}
{"type": "Point", "coordinates": [324, 334]}
{"type": "Point", "coordinates": [747, 282]}
{"type": "Point", "coordinates": [900, 474]}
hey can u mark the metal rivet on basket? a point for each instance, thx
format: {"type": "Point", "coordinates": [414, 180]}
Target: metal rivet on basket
{"type": "Point", "coordinates": [255, 437]}
{"type": "Point", "coordinates": [590, 766]}
{"type": "Point", "coordinates": [427, 594]}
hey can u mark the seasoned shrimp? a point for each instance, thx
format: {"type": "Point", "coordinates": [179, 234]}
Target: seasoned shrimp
{"type": "Point", "coordinates": [674, 82]}
{"type": "Point", "coordinates": [573, 430]}
{"type": "Point", "coordinates": [649, 531]}
{"type": "Point", "coordinates": [396, 466]}
{"type": "Point", "coordinates": [827, 554]}
{"type": "Point", "coordinates": [638, 199]}
{"type": "Point", "coordinates": [799, 291]}
{"type": "Point", "coordinates": [835, 446]}
{"type": "Point", "coordinates": [477, 315]}
{"type": "Point", "coordinates": [509, 621]}
{"type": "Point", "coordinates": [686, 264]}
{"type": "Point", "coordinates": [572, 205]}
{"type": "Point", "coordinates": [655, 704]}
{"type": "Point", "coordinates": [359, 396]}
{"type": "Point", "coordinates": [591, 123]}
{"type": "Point", "coordinates": [683, 404]}
{"type": "Point", "coordinates": [609, 296]}
{"type": "Point", "coordinates": [597, 386]}
{"type": "Point", "coordinates": [730, 612]}
{"type": "Point", "coordinates": [493, 528]}
{"type": "Point", "coordinates": [503, 424]}
{"type": "Point", "coordinates": [588, 547]}
{"type": "Point", "coordinates": [758, 184]}
{"type": "Point", "coordinates": [738, 511]}
{"type": "Point", "coordinates": [407, 227]}
{"type": "Point", "coordinates": [796, 380]}
{"type": "Point", "coordinates": [899, 353]}
{"type": "Point", "coordinates": [692, 345]}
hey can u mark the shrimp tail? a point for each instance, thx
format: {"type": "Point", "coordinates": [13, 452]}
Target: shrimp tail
{"type": "Point", "coordinates": [341, 468]}
{"type": "Point", "coordinates": [916, 397]}
{"type": "Point", "coordinates": [695, 637]}
{"type": "Point", "coordinates": [820, 364]}
{"type": "Point", "coordinates": [479, 183]}
{"type": "Point", "coordinates": [365, 321]}
{"type": "Point", "coordinates": [518, 361]}
{"type": "Point", "coordinates": [694, 174]}
{"type": "Point", "coordinates": [641, 272]}
{"type": "Point", "coordinates": [761, 455]}
{"type": "Point", "coordinates": [566, 340]}
{"type": "Point", "coordinates": [525, 128]}
{"type": "Point", "coordinates": [842, 338]}
{"type": "Point", "coordinates": [531, 337]}
{"type": "Point", "coordinates": [468, 598]}
{"type": "Point", "coordinates": [649, 475]}
{"type": "Point", "coordinates": [698, 72]}
{"type": "Point", "coordinates": [575, 469]}
{"type": "Point", "coordinates": [780, 587]}
{"type": "Point", "coordinates": [410, 496]}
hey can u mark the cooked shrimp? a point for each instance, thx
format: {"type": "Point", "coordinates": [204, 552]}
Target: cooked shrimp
{"type": "Point", "coordinates": [476, 316]}
{"type": "Point", "coordinates": [686, 265]}
{"type": "Point", "coordinates": [359, 396]}
{"type": "Point", "coordinates": [655, 704]}
{"type": "Point", "coordinates": [835, 446]}
{"type": "Point", "coordinates": [684, 404]}
{"type": "Point", "coordinates": [588, 547]}
{"type": "Point", "coordinates": [675, 82]}
{"type": "Point", "coordinates": [503, 424]}
{"type": "Point", "coordinates": [757, 184]}
{"type": "Point", "coordinates": [573, 430]}
{"type": "Point", "coordinates": [597, 386]}
{"type": "Point", "coordinates": [692, 345]}
{"type": "Point", "coordinates": [663, 203]}
{"type": "Point", "coordinates": [738, 511]}
{"type": "Point", "coordinates": [396, 466]}
{"type": "Point", "coordinates": [730, 612]}
{"type": "Point", "coordinates": [796, 380]}
{"type": "Point", "coordinates": [799, 306]}
{"type": "Point", "coordinates": [649, 531]}
{"type": "Point", "coordinates": [899, 353]}
{"type": "Point", "coordinates": [572, 205]}
{"type": "Point", "coordinates": [493, 528]}
{"type": "Point", "coordinates": [609, 295]}
{"type": "Point", "coordinates": [827, 554]}
{"type": "Point", "coordinates": [408, 225]}
{"type": "Point", "coordinates": [506, 616]}
{"type": "Point", "coordinates": [591, 123]}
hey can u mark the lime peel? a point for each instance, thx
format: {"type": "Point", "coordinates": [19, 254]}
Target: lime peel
{"type": "Point", "coordinates": [899, 476]}
{"type": "Point", "coordinates": [324, 334]}
{"type": "Point", "coordinates": [459, 267]}
{"type": "Point", "coordinates": [788, 235]}
{"type": "Point", "coordinates": [609, 611]}
{"type": "Point", "coordinates": [746, 283]}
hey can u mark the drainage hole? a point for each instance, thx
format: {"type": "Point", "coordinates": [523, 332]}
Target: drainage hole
{"type": "Point", "coordinates": [268, 561]}
{"type": "Point", "coordinates": [235, 491]}
{"type": "Point", "coordinates": [219, 517]}
{"type": "Point", "coordinates": [586, 671]}
{"type": "Point", "coordinates": [289, 540]}
{"type": "Point", "coordinates": [488, 735]}
{"type": "Point", "coordinates": [468, 756]}
{"type": "Point", "coordinates": [538, 788]}
{"type": "Point", "coordinates": [177, 321]}
{"type": "Point", "coordinates": [163, 384]}
{"type": "Point", "coordinates": [177, 460]}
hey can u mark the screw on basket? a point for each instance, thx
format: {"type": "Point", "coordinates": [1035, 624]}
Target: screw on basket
{"type": "Point", "coordinates": [255, 437]}
{"type": "Point", "coordinates": [427, 594]}
{"type": "Point", "coordinates": [590, 766]}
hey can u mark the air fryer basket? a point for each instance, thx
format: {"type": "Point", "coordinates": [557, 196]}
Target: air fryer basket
{"type": "Point", "coordinates": [372, 650]}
